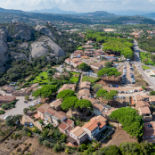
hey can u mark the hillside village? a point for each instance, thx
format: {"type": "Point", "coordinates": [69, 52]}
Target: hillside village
{"type": "Point", "coordinates": [95, 84]}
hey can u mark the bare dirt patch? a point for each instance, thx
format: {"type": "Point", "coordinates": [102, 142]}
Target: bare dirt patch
{"type": "Point", "coordinates": [120, 136]}
{"type": "Point", "coordinates": [32, 146]}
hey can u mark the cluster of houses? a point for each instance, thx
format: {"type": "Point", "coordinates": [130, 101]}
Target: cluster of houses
{"type": "Point", "coordinates": [76, 134]}
{"type": "Point", "coordinates": [51, 114]}
{"type": "Point", "coordinates": [95, 58]}
{"type": "Point", "coordinates": [142, 104]}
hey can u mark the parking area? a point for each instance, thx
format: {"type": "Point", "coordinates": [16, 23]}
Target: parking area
{"type": "Point", "coordinates": [20, 106]}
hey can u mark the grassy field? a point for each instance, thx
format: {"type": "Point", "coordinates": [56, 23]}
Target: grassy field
{"type": "Point", "coordinates": [89, 79]}
{"type": "Point", "coordinates": [42, 78]}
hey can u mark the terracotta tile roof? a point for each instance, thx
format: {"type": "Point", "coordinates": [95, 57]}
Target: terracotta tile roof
{"type": "Point", "coordinates": [152, 98]}
{"type": "Point", "coordinates": [58, 114]}
{"type": "Point", "coordinates": [142, 104]}
{"type": "Point", "coordinates": [63, 126]}
{"type": "Point", "coordinates": [98, 121]}
{"type": "Point", "coordinates": [67, 125]}
{"type": "Point", "coordinates": [144, 110]}
{"type": "Point", "coordinates": [78, 131]}
{"type": "Point", "coordinates": [43, 108]}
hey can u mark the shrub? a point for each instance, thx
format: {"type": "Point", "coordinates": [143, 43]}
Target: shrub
{"type": "Point", "coordinates": [2, 112]}
{"type": "Point", "coordinates": [152, 93]}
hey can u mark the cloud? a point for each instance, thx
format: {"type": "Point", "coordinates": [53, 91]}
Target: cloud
{"type": "Point", "coordinates": [80, 5]}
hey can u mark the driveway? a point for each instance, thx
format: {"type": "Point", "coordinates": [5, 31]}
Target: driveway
{"type": "Point", "coordinates": [20, 105]}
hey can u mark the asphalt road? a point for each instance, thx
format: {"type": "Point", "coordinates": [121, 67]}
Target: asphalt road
{"type": "Point", "coordinates": [138, 66]}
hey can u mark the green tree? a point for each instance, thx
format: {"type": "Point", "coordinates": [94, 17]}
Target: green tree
{"type": "Point", "coordinates": [84, 67]}
{"type": "Point", "coordinates": [110, 150]}
{"type": "Point", "coordinates": [46, 91]}
{"type": "Point", "coordinates": [130, 120]}
{"type": "Point", "coordinates": [65, 93]}
{"type": "Point", "coordinates": [108, 72]}
{"type": "Point", "coordinates": [83, 104]}
{"type": "Point", "coordinates": [69, 103]}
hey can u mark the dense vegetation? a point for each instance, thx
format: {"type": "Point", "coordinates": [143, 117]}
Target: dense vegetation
{"type": "Point", "coordinates": [65, 93]}
{"type": "Point", "coordinates": [108, 72]}
{"type": "Point", "coordinates": [52, 138]}
{"type": "Point", "coordinates": [7, 106]}
{"type": "Point", "coordinates": [84, 67]}
{"type": "Point", "coordinates": [147, 58]}
{"type": "Point", "coordinates": [152, 93]}
{"type": "Point", "coordinates": [147, 43]}
{"type": "Point", "coordinates": [46, 91]}
{"type": "Point", "coordinates": [127, 149]}
{"type": "Point", "coordinates": [106, 95]}
{"type": "Point", "coordinates": [119, 47]}
{"type": "Point", "coordinates": [130, 120]}
{"type": "Point", "coordinates": [70, 101]}
{"type": "Point", "coordinates": [113, 43]}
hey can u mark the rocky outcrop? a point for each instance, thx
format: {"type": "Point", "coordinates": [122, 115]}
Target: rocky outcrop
{"type": "Point", "coordinates": [44, 46]}
{"type": "Point", "coordinates": [21, 32]}
{"type": "Point", "coordinates": [45, 31]}
{"type": "Point", "coordinates": [3, 50]}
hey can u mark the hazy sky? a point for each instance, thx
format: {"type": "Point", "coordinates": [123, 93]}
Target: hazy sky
{"type": "Point", "coordinates": [80, 5]}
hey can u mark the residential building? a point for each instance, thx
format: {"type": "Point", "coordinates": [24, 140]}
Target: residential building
{"type": "Point", "coordinates": [66, 126]}
{"type": "Point", "coordinates": [95, 126]}
{"type": "Point", "coordinates": [49, 115]}
{"type": "Point", "coordinates": [78, 134]}
{"type": "Point", "coordinates": [145, 112]}
{"type": "Point", "coordinates": [67, 86]}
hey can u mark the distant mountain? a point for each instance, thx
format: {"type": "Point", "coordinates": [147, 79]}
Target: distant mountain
{"type": "Point", "coordinates": [54, 11]}
{"type": "Point", "coordinates": [150, 15]}
{"type": "Point", "coordinates": [10, 11]}
{"type": "Point", "coordinates": [99, 14]}
{"type": "Point", "coordinates": [98, 17]}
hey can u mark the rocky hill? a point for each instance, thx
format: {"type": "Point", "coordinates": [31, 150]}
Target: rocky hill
{"type": "Point", "coordinates": [31, 46]}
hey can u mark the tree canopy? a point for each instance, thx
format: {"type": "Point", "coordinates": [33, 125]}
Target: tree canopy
{"type": "Point", "coordinates": [130, 120]}
{"type": "Point", "coordinates": [83, 104]}
{"type": "Point", "coordinates": [106, 95]}
{"type": "Point", "coordinates": [45, 91]}
{"type": "Point", "coordinates": [69, 103]}
{"type": "Point", "coordinates": [65, 93]}
{"type": "Point", "coordinates": [108, 72]}
{"type": "Point", "coordinates": [84, 67]}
